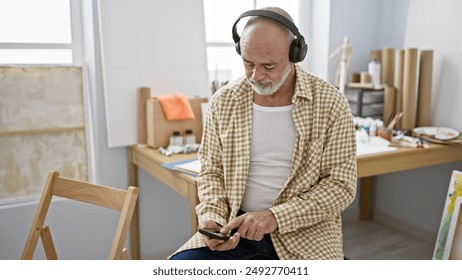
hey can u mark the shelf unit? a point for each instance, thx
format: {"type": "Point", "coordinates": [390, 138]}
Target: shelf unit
{"type": "Point", "coordinates": [365, 102]}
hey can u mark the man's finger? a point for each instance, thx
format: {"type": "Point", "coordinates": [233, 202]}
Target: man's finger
{"type": "Point", "coordinates": [235, 223]}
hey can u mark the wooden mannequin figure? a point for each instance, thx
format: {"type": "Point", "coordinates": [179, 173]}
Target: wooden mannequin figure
{"type": "Point", "coordinates": [342, 69]}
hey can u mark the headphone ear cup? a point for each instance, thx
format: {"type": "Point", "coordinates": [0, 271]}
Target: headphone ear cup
{"type": "Point", "coordinates": [298, 50]}
{"type": "Point", "coordinates": [293, 52]}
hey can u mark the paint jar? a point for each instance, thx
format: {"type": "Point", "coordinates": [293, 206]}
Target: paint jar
{"type": "Point", "coordinates": [176, 139]}
{"type": "Point", "coordinates": [189, 137]}
{"type": "Point", "coordinates": [365, 78]}
{"type": "Point", "coordinates": [385, 133]}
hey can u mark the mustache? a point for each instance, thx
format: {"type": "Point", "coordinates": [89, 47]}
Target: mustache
{"type": "Point", "coordinates": [253, 82]}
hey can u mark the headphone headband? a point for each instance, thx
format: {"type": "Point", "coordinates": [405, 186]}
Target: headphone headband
{"type": "Point", "coordinates": [298, 47]}
{"type": "Point", "coordinates": [268, 14]}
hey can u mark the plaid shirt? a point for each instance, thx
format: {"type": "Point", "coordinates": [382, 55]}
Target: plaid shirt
{"type": "Point", "coordinates": [322, 182]}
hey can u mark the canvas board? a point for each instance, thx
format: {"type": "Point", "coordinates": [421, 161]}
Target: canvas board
{"type": "Point", "coordinates": [42, 128]}
{"type": "Point", "coordinates": [449, 240]}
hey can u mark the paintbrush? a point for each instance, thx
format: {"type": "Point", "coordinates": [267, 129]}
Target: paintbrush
{"type": "Point", "coordinates": [395, 119]}
{"type": "Point", "coordinates": [389, 119]}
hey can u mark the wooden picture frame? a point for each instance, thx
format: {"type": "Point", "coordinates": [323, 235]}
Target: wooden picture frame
{"type": "Point", "coordinates": [449, 240]}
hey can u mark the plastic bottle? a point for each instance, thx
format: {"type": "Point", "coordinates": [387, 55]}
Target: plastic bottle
{"type": "Point", "coordinates": [373, 129]}
{"type": "Point", "coordinates": [375, 69]}
{"type": "Point", "coordinates": [189, 138]}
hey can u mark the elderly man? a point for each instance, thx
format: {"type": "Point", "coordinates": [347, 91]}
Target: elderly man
{"type": "Point", "coordinates": [278, 155]}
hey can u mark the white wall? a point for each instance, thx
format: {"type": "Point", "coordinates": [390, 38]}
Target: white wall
{"type": "Point", "coordinates": [369, 24]}
{"type": "Point", "coordinates": [318, 38]}
{"type": "Point", "coordinates": [414, 198]}
{"type": "Point", "coordinates": [440, 31]}
{"type": "Point", "coordinates": [357, 19]}
{"type": "Point", "coordinates": [417, 197]}
{"type": "Point", "coordinates": [86, 235]}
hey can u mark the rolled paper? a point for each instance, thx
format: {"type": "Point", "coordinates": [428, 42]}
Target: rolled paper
{"type": "Point", "coordinates": [388, 60]}
{"type": "Point", "coordinates": [424, 98]}
{"type": "Point", "coordinates": [389, 98]}
{"type": "Point", "coordinates": [398, 82]}
{"type": "Point", "coordinates": [411, 57]}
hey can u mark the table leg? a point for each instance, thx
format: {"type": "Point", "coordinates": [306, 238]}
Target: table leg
{"type": "Point", "coordinates": [365, 199]}
{"type": "Point", "coordinates": [134, 225]}
{"type": "Point", "coordinates": [193, 201]}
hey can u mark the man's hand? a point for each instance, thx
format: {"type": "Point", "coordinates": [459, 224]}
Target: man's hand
{"type": "Point", "coordinates": [253, 225]}
{"type": "Point", "coordinates": [216, 244]}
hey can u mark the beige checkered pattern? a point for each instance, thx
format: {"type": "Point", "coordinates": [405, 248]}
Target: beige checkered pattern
{"type": "Point", "coordinates": [322, 182]}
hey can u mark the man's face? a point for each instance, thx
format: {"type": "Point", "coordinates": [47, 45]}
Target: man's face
{"type": "Point", "coordinates": [266, 62]}
{"type": "Point", "coordinates": [272, 81]}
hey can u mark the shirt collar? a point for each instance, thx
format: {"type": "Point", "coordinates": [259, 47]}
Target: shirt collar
{"type": "Point", "coordinates": [302, 84]}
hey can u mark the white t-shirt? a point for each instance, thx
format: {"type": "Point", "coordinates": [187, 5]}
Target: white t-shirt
{"type": "Point", "coordinates": [273, 140]}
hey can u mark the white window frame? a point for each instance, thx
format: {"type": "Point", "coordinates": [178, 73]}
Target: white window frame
{"type": "Point", "coordinates": [76, 45]}
{"type": "Point", "coordinates": [78, 60]}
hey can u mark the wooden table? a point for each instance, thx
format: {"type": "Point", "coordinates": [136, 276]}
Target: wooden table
{"type": "Point", "coordinates": [369, 166]}
{"type": "Point", "coordinates": [151, 160]}
{"type": "Point", "coordinates": [399, 160]}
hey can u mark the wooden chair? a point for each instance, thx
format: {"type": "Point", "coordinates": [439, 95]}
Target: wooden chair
{"type": "Point", "coordinates": [123, 201]}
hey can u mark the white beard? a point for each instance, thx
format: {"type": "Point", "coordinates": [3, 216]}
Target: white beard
{"type": "Point", "coordinates": [270, 87]}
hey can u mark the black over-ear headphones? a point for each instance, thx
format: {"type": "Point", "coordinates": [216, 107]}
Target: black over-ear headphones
{"type": "Point", "coordinates": [298, 48]}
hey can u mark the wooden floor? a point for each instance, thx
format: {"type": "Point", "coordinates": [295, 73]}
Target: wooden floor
{"type": "Point", "coordinates": [370, 240]}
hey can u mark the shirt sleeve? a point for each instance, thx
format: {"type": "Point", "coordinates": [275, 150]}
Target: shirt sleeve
{"type": "Point", "coordinates": [213, 203]}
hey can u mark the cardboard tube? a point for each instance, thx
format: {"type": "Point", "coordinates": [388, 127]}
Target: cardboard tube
{"type": "Point", "coordinates": [411, 57]}
{"type": "Point", "coordinates": [425, 88]}
{"type": "Point", "coordinates": [389, 98]}
{"type": "Point", "coordinates": [398, 82]}
{"type": "Point", "coordinates": [388, 60]}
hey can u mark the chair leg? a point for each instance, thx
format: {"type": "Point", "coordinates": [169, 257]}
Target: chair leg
{"type": "Point", "coordinates": [48, 244]}
{"type": "Point", "coordinates": [39, 218]}
{"type": "Point", "coordinates": [31, 244]}
{"type": "Point", "coordinates": [125, 254]}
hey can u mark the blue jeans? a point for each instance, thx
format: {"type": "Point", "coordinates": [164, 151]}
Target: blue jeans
{"type": "Point", "coordinates": [245, 250]}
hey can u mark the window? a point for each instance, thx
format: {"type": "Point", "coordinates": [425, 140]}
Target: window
{"type": "Point", "coordinates": [223, 62]}
{"type": "Point", "coordinates": [42, 116]}
{"type": "Point", "coordinates": [39, 32]}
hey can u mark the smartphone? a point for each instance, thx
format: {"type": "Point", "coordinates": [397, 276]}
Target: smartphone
{"type": "Point", "coordinates": [214, 233]}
